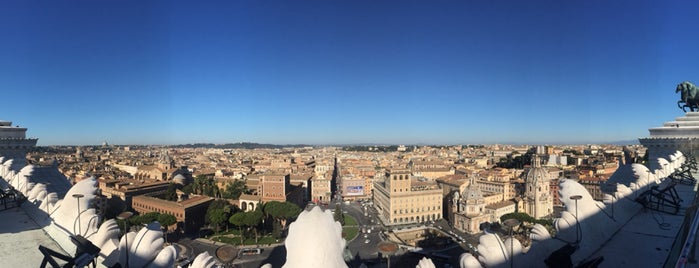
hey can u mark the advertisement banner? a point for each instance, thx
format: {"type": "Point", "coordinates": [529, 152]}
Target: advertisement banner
{"type": "Point", "coordinates": [354, 190]}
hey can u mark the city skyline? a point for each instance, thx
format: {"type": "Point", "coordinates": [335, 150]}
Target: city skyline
{"type": "Point", "coordinates": [344, 73]}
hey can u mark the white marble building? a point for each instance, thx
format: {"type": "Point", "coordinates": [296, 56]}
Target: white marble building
{"type": "Point", "coordinates": [682, 134]}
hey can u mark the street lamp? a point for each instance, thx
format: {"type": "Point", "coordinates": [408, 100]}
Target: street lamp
{"type": "Point", "coordinates": [124, 216]}
{"type": "Point", "coordinates": [78, 196]}
{"type": "Point", "coordinates": [577, 222]}
{"type": "Point", "coordinates": [613, 201]}
{"type": "Point", "coordinates": [511, 223]}
{"type": "Point", "coordinates": [387, 248]}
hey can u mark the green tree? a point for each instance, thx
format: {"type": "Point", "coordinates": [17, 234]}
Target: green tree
{"type": "Point", "coordinates": [171, 192]}
{"type": "Point", "coordinates": [339, 217]}
{"type": "Point", "coordinates": [522, 217]}
{"type": "Point", "coordinates": [188, 189]}
{"type": "Point", "coordinates": [281, 211]}
{"type": "Point", "coordinates": [218, 212]}
{"type": "Point", "coordinates": [235, 189]}
{"type": "Point", "coordinates": [166, 219]}
{"type": "Point", "coordinates": [238, 219]}
{"type": "Point", "coordinates": [216, 217]}
{"type": "Point", "coordinates": [276, 230]}
{"type": "Point", "coordinates": [253, 219]}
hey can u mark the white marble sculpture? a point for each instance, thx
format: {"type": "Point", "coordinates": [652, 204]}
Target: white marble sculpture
{"type": "Point", "coordinates": [425, 263]}
{"type": "Point", "coordinates": [69, 216]}
{"type": "Point", "coordinates": [586, 225]}
{"type": "Point", "coordinates": [315, 240]}
{"type": "Point", "coordinates": [203, 260]}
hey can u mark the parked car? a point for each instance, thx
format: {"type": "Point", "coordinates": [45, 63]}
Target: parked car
{"type": "Point", "coordinates": [250, 251]}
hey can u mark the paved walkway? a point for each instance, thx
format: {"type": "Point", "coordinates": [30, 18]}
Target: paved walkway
{"type": "Point", "coordinates": [20, 238]}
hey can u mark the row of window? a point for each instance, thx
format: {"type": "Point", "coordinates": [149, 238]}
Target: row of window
{"type": "Point", "coordinates": [400, 177]}
{"type": "Point", "coordinates": [430, 217]}
{"type": "Point", "coordinates": [13, 147]}
{"type": "Point", "coordinates": [422, 209]}
{"type": "Point", "coordinates": [154, 209]}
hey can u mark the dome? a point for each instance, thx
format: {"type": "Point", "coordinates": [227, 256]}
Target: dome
{"type": "Point", "coordinates": [537, 173]}
{"type": "Point", "coordinates": [472, 192]}
{"type": "Point", "coordinates": [179, 179]}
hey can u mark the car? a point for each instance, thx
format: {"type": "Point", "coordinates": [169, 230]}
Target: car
{"type": "Point", "coordinates": [250, 251]}
{"type": "Point", "coordinates": [367, 241]}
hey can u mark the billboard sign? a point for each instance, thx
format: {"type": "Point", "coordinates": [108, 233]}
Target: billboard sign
{"type": "Point", "coordinates": [354, 190]}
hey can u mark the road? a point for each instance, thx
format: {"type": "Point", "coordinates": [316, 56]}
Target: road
{"type": "Point", "coordinates": [364, 245]}
{"type": "Point", "coordinates": [359, 248]}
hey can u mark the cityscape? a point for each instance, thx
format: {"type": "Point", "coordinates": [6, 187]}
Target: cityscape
{"type": "Point", "coordinates": [235, 204]}
{"type": "Point", "coordinates": [348, 134]}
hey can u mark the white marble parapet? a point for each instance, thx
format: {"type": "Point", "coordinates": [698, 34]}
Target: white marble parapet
{"type": "Point", "coordinates": [684, 126]}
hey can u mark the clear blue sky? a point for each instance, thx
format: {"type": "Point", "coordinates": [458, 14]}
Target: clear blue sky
{"type": "Point", "coordinates": [319, 72]}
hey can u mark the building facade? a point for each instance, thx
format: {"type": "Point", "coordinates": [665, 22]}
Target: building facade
{"type": "Point", "coordinates": [14, 143]}
{"type": "Point", "coordinates": [189, 213]}
{"type": "Point", "coordinates": [538, 201]}
{"type": "Point", "coordinates": [402, 199]}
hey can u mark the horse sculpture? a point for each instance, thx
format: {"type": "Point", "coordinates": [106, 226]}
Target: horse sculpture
{"type": "Point", "coordinates": [689, 96]}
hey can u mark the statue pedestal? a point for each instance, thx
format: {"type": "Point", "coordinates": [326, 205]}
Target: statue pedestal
{"type": "Point", "coordinates": [679, 135]}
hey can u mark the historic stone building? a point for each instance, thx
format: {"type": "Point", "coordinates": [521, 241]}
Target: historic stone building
{"type": "Point", "coordinates": [320, 189]}
{"type": "Point", "coordinates": [538, 201]}
{"type": "Point", "coordinates": [469, 208]}
{"type": "Point", "coordinates": [190, 212]}
{"type": "Point", "coordinates": [402, 198]}
{"type": "Point", "coordinates": [678, 135]}
{"type": "Point", "coordinates": [14, 143]}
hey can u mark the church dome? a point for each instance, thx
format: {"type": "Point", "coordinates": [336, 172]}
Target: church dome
{"type": "Point", "coordinates": [472, 192]}
{"type": "Point", "coordinates": [180, 179]}
{"type": "Point", "coordinates": [537, 173]}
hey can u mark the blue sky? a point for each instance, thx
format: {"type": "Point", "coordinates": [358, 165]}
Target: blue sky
{"type": "Point", "coordinates": [320, 72]}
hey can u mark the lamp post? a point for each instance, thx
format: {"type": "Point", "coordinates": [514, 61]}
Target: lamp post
{"type": "Point", "coordinates": [387, 248]}
{"type": "Point", "coordinates": [511, 223]}
{"type": "Point", "coordinates": [124, 216]}
{"type": "Point", "coordinates": [577, 222]}
{"type": "Point", "coordinates": [613, 201]}
{"type": "Point", "coordinates": [78, 196]}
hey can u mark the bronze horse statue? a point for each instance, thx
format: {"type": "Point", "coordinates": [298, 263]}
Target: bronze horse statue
{"type": "Point", "coordinates": [689, 96]}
